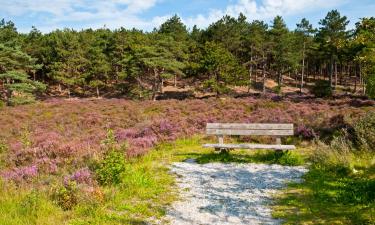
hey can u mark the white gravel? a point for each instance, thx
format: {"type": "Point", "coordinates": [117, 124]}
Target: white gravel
{"type": "Point", "coordinates": [226, 194]}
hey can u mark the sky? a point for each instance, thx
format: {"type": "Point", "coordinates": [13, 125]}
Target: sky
{"type": "Point", "coordinates": [48, 15]}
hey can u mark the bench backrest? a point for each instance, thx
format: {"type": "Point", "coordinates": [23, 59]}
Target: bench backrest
{"type": "Point", "coordinates": [267, 129]}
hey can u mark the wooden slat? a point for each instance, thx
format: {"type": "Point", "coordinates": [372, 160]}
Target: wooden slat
{"type": "Point", "coordinates": [250, 146]}
{"type": "Point", "coordinates": [249, 132]}
{"type": "Point", "coordinates": [251, 126]}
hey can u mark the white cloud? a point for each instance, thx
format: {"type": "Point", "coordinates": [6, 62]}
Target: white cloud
{"type": "Point", "coordinates": [267, 9]}
{"type": "Point", "coordinates": [92, 13]}
{"type": "Point", "coordinates": [129, 13]}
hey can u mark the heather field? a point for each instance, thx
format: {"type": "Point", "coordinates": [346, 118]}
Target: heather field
{"type": "Point", "coordinates": [104, 161]}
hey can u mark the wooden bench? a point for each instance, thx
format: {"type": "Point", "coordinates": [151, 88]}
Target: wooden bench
{"type": "Point", "coordinates": [243, 129]}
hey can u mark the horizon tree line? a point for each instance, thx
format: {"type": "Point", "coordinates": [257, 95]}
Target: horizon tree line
{"type": "Point", "coordinates": [229, 52]}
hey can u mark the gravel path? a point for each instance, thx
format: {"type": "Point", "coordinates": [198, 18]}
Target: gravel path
{"type": "Point", "coordinates": [226, 194]}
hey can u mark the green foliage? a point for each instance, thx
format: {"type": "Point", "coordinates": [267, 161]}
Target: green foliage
{"type": "Point", "coordinates": [327, 197]}
{"type": "Point", "coordinates": [175, 28]}
{"type": "Point", "coordinates": [271, 157]}
{"type": "Point", "coordinates": [322, 89]}
{"type": "Point", "coordinates": [110, 169]}
{"type": "Point", "coordinates": [65, 196]}
{"type": "Point", "coordinates": [365, 132]}
{"type": "Point", "coordinates": [3, 151]}
{"type": "Point", "coordinates": [14, 64]}
{"type": "Point", "coordinates": [370, 85]}
{"type": "Point", "coordinates": [30, 205]}
{"type": "Point", "coordinates": [221, 67]}
{"type": "Point", "coordinates": [138, 64]}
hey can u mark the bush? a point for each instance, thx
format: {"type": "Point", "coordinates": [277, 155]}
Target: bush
{"type": "Point", "coordinates": [286, 158]}
{"type": "Point", "coordinates": [370, 85]}
{"type": "Point", "coordinates": [322, 88]}
{"type": "Point", "coordinates": [336, 156]}
{"type": "Point", "coordinates": [110, 169]}
{"type": "Point", "coordinates": [66, 196]}
{"type": "Point", "coordinates": [30, 204]}
{"type": "Point", "coordinates": [365, 132]}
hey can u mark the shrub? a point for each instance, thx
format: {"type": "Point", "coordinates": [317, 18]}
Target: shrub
{"type": "Point", "coordinates": [365, 132]}
{"type": "Point", "coordinates": [336, 156]}
{"type": "Point", "coordinates": [290, 159]}
{"type": "Point", "coordinates": [110, 169]}
{"type": "Point", "coordinates": [286, 158]}
{"type": "Point", "coordinates": [322, 88]}
{"type": "Point", "coordinates": [305, 132]}
{"type": "Point", "coordinates": [20, 174]}
{"type": "Point", "coordinates": [66, 196]}
{"type": "Point", "coordinates": [30, 204]}
{"type": "Point", "coordinates": [81, 176]}
{"type": "Point", "coordinates": [370, 85]}
{"type": "Point", "coordinates": [2, 104]}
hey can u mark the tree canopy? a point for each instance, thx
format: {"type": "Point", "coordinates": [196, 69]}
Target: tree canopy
{"type": "Point", "coordinates": [229, 52]}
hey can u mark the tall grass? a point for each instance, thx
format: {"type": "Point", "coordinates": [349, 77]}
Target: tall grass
{"type": "Point", "coordinates": [340, 186]}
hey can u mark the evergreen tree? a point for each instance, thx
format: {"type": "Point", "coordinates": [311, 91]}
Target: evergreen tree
{"type": "Point", "coordinates": [332, 36]}
{"type": "Point", "coordinates": [221, 67]}
{"type": "Point", "coordinates": [365, 40]}
{"type": "Point", "coordinates": [304, 34]}
{"type": "Point", "coordinates": [17, 88]}
{"type": "Point", "coordinates": [281, 46]}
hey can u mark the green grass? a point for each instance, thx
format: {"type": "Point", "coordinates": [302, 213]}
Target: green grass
{"type": "Point", "coordinates": [331, 196]}
{"type": "Point", "coordinates": [145, 189]}
{"type": "Point", "coordinates": [327, 196]}
{"type": "Point", "coordinates": [250, 156]}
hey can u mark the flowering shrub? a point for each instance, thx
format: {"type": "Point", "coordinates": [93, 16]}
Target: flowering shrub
{"type": "Point", "coordinates": [19, 174]}
{"type": "Point", "coordinates": [81, 176]}
{"type": "Point", "coordinates": [305, 132]}
{"type": "Point", "coordinates": [57, 134]}
{"type": "Point", "coordinates": [65, 196]}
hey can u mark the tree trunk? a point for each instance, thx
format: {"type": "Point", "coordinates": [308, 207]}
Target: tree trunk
{"type": "Point", "coordinates": [355, 79]}
{"type": "Point", "coordinates": [175, 80]}
{"type": "Point", "coordinates": [303, 66]}
{"type": "Point", "coordinates": [264, 74]}
{"type": "Point", "coordinates": [331, 72]}
{"type": "Point", "coordinates": [97, 92]}
{"type": "Point", "coordinates": [217, 82]}
{"type": "Point", "coordinates": [335, 74]}
{"type": "Point", "coordinates": [68, 92]}
{"type": "Point", "coordinates": [250, 75]}
{"type": "Point", "coordinates": [139, 87]}
{"type": "Point", "coordinates": [154, 86]}
{"type": "Point", "coordinates": [363, 81]}
{"type": "Point", "coordinates": [162, 85]}
{"type": "Point", "coordinates": [8, 96]}
{"type": "Point", "coordinates": [307, 71]}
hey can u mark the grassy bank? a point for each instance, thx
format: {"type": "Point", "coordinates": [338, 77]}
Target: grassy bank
{"type": "Point", "coordinates": [340, 185]}
{"type": "Point", "coordinates": [142, 194]}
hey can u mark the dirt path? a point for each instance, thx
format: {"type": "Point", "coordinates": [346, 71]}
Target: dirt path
{"type": "Point", "coordinates": [227, 194]}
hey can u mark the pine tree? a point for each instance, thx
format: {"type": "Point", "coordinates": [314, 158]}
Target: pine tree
{"type": "Point", "coordinates": [304, 34]}
{"type": "Point", "coordinates": [17, 88]}
{"type": "Point", "coordinates": [280, 45]}
{"type": "Point", "coordinates": [332, 36]}
{"type": "Point", "coordinates": [221, 67]}
{"type": "Point", "coordinates": [365, 41]}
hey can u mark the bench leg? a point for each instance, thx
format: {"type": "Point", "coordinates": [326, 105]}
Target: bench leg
{"type": "Point", "coordinates": [224, 151]}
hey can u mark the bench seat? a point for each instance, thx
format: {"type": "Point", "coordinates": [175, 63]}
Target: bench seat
{"type": "Point", "coordinates": [250, 146]}
{"type": "Point", "coordinates": [276, 130]}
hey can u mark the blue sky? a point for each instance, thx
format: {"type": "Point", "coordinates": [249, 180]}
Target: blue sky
{"type": "Point", "coordinates": [48, 15]}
